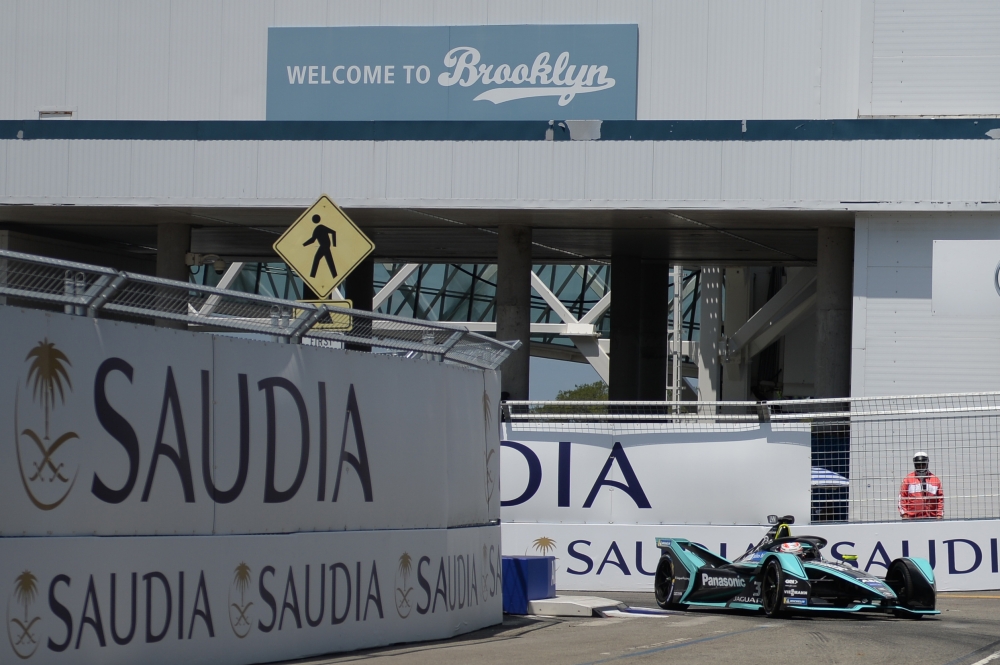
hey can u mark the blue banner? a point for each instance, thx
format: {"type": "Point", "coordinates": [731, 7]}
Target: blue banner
{"type": "Point", "coordinates": [503, 72]}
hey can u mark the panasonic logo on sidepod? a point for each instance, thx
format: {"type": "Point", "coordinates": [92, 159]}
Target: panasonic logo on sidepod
{"type": "Point", "coordinates": [707, 580]}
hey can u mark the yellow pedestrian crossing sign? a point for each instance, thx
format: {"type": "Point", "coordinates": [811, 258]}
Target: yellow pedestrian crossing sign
{"type": "Point", "coordinates": [323, 246]}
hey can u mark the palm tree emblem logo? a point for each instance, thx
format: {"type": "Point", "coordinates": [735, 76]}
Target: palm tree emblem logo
{"type": "Point", "coordinates": [544, 545]}
{"type": "Point", "coordinates": [403, 589]}
{"type": "Point", "coordinates": [45, 480]}
{"type": "Point", "coordinates": [239, 617]}
{"type": "Point", "coordinates": [20, 627]}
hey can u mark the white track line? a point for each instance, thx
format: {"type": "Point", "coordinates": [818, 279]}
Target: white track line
{"type": "Point", "coordinates": [988, 659]}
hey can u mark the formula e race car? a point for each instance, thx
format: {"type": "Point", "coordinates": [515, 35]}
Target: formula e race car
{"type": "Point", "coordinates": [784, 573]}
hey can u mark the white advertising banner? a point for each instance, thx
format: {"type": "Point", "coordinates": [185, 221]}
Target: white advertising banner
{"type": "Point", "coordinates": [119, 429]}
{"type": "Point", "coordinates": [243, 599]}
{"type": "Point", "coordinates": [623, 557]}
{"type": "Point", "coordinates": [670, 477]}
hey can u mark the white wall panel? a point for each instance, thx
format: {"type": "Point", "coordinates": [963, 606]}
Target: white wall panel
{"type": "Point", "coordinates": [678, 60]}
{"type": "Point", "coordinates": [349, 169]}
{"type": "Point", "coordinates": [756, 170]}
{"type": "Point", "coordinates": [966, 171]}
{"type": "Point", "coordinates": [8, 50]}
{"type": "Point", "coordinates": [418, 170]}
{"type": "Point", "coordinates": [735, 59]}
{"type": "Point", "coordinates": [936, 58]}
{"type": "Point", "coordinates": [896, 170]}
{"type": "Point", "coordinates": [484, 170]}
{"type": "Point", "coordinates": [289, 170]}
{"type": "Point", "coordinates": [461, 12]}
{"type": "Point", "coordinates": [37, 168]}
{"type": "Point", "coordinates": [825, 171]}
{"type": "Point", "coordinates": [552, 171]}
{"type": "Point", "coordinates": [516, 12]}
{"type": "Point", "coordinates": [143, 60]}
{"type": "Point", "coordinates": [225, 169]}
{"type": "Point", "coordinates": [406, 12]}
{"type": "Point", "coordinates": [195, 59]}
{"type": "Point", "coordinates": [243, 59]}
{"type": "Point", "coordinates": [792, 62]}
{"type": "Point", "coordinates": [687, 170]}
{"type": "Point", "coordinates": [100, 169]}
{"type": "Point", "coordinates": [92, 59]}
{"type": "Point", "coordinates": [906, 349]}
{"type": "Point", "coordinates": [352, 12]}
{"type": "Point", "coordinates": [162, 169]}
{"type": "Point", "coordinates": [300, 12]}
{"type": "Point", "coordinates": [620, 171]}
{"type": "Point", "coordinates": [841, 51]}
{"type": "Point", "coordinates": [569, 11]}
{"type": "Point", "coordinates": [40, 57]}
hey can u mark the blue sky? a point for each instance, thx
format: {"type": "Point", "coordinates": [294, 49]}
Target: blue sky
{"type": "Point", "coordinates": [548, 377]}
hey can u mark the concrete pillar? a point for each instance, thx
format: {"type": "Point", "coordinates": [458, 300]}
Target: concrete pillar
{"type": "Point", "coordinates": [834, 289]}
{"type": "Point", "coordinates": [709, 388]}
{"type": "Point", "coordinates": [514, 306]}
{"type": "Point", "coordinates": [173, 242]}
{"type": "Point", "coordinates": [626, 282]}
{"type": "Point", "coordinates": [735, 379]}
{"type": "Point", "coordinates": [654, 328]}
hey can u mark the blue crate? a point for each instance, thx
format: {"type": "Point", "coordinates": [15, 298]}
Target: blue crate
{"type": "Point", "coordinates": [527, 578]}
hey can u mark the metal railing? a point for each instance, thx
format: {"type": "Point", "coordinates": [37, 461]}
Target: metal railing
{"type": "Point", "coordinates": [862, 448]}
{"type": "Point", "coordinates": [87, 290]}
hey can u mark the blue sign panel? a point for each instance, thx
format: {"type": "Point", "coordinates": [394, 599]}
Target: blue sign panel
{"type": "Point", "coordinates": [503, 72]}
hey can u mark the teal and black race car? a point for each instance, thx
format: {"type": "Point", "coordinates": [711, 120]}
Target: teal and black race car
{"type": "Point", "coordinates": [788, 574]}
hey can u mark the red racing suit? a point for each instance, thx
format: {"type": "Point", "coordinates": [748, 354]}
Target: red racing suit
{"type": "Point", "coordinates": [921, 497]}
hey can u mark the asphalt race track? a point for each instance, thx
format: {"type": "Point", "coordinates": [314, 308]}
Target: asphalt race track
{"type": "Point", "coordinates": [967, 632]}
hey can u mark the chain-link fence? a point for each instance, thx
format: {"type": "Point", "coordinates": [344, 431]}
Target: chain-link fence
{"type": "Point", "coordinates": [862, 449]}
{"type": "Point", "coordinates": [86, 290]}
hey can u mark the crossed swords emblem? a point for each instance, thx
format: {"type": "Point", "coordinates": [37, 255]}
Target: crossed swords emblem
{"type": "Point", "coordinates": [25, 631]}
{"type": "Point", "coordinates": [47, 455]}
{"type": "Point", "coordinates": [242, 619]}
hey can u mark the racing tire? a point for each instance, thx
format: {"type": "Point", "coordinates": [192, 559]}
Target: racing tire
{"type": "Point", "coordinates": [663, 584]}
{"type": "Point", "coordinates": [899, 578]}
{"type": "Point", "coordinates": [771, 589]}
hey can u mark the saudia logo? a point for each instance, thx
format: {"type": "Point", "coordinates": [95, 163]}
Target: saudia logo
{"type": "Point", "coordinates": [559, 79]}
{"type": "Point", "coordinates": [239, 610]}
{"type": "Point", "coordinates": [46, 480]}
{"type": "Point", "coordinates": [20, 622]}
{"type": "Point", "coordinates": [403, 589]}
{"type": "Point", "coordinates": [46, 462]}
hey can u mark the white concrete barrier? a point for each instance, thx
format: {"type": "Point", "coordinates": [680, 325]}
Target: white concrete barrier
{"type": "Point", "coordinates": [214, 467]}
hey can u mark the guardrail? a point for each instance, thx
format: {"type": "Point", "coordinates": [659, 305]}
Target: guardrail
{"type": "Point", "coordinates": [87, 290]}
{"type": "Point", "coordinates": [862, 448]}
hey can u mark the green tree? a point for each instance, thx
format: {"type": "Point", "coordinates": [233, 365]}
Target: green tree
{"type": "Point", "coordinates": [596, 391]}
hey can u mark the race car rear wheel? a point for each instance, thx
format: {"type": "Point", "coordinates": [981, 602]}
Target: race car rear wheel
{"type": "Point", "coordinates": [771, 595]}
{"type": "Point", "coordinates": [899, 578]}
{"type": "Point", "coordinates": [663, 584]}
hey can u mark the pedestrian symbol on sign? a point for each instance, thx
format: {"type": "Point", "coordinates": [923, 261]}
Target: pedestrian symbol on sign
{"type": "Point", "coordinates": [323, 246]}
{"type": "Point", "coordinates": [324, 237]}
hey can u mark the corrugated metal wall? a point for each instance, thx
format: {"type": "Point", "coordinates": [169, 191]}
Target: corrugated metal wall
{"type": "Point", "coordinates": [206, 59]}
{"type": "Point", "coordinates": [899, 347]}
{"type": "Point", "coordinates": [887, 175]}
{"type": "Point", "coordinates": [936, 58]}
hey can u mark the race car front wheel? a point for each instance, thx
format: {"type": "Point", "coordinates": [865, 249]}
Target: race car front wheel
{"type": "Point", "coordinates": [900, 578]}
{"type": "Point", "coordinates": [663, 584]}
{"type": "Point", "coordinates": [771, 588]}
